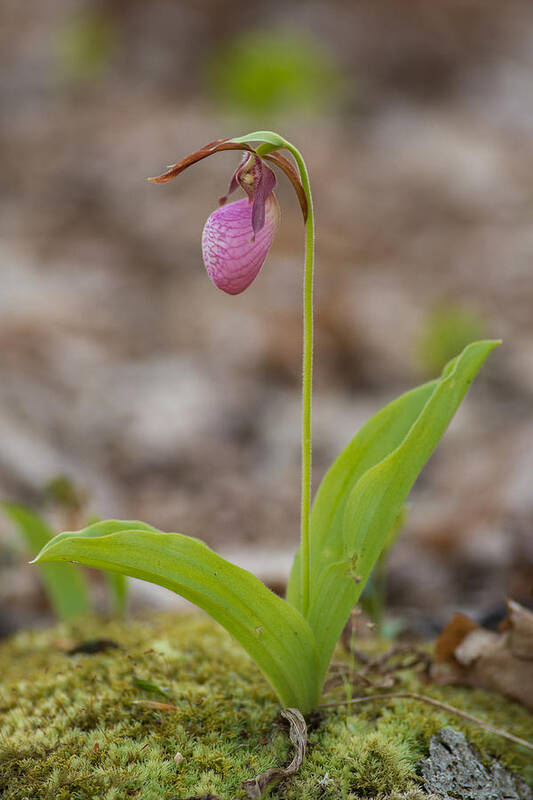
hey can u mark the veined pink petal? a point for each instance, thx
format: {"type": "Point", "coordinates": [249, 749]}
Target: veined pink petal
{"type": "Point", "coordinates": [232, 255]}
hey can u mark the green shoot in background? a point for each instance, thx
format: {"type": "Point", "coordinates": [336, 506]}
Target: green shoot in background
{"type": "Point", "coordinates": [65, 585]}
{"type": "Point", "coordinates": [444, 332]}
{"type": "Point", "coordinates": [268, 72]}
{"type": "Point", "coordinates": [374, 597]}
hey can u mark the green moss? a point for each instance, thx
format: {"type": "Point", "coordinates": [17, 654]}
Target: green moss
{"type": "Point", "coordinates": [73, 726]}
{"type": "Point", "coordinates": [381, 764]}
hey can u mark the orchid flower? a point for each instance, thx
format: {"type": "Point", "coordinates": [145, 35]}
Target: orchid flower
{"type": "Point", "coordinates": [358, 501]}
{"type": "Point", "coordinates": [237, 236]}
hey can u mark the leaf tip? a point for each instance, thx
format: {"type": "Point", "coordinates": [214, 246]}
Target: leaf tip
{"type": "Point", "coordinates": [41, 555]}
{"type": "Point", "coordinates": [492, 343]}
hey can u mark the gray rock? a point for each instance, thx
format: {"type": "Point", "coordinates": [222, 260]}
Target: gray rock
{"type": "Point", "coordinates": [454, 771]}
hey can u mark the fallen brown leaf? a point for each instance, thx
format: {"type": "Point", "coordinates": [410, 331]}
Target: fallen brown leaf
{"type": "Point", "coordinates": [500, 662]}
{"type": "Point", "coordinates": [453, 634]}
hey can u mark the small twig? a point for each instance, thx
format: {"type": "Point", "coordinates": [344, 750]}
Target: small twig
{"type": "Point", "coordinates": [437, 703]}
{"type": "Point", "coordinates": [360, 655]}
{"type": "Point", "coordinates": [342, 671]}
{"type": "Point", "coordinates": [156, 704]}
{"type": "Point", "coordinates": [357, 679]}
{"type": "Point", "coordinates": [385, 662]}
{"type": "Point", "coordinates": [384, 667]}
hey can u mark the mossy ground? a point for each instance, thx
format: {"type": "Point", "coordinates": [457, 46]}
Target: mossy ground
{"type": "Point", "coordinates": [70, 726]}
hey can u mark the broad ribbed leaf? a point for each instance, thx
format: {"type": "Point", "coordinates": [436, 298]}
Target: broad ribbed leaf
{"type": "Point", "coordinates": [376, 439]}
{"type": "Point", "coordinates": [64, 584]}
{"type": "Point", "coordinates": [377, 497]}
{"type": "Point", "coordinates": [117, 583]}
{"type": "Point", "coordinates": [273, 633]}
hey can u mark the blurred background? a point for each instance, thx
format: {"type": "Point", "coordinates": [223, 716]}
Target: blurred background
{"type": "Point", "coordinates": [131, 388]}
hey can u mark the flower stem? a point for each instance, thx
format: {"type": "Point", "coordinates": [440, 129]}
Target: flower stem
{"type": "Point", "coordinates": [270, 142]}
{"type": "Point", "coordinates": [307, 382]}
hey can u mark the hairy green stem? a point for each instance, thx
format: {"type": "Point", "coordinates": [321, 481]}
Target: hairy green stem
{"type": "Point", "coordinates": [307, 378]}
{"type": "Point", "coordinates": [270, 142]}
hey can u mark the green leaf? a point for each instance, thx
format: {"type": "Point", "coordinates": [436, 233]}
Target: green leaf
{"type": "Point", "coordinates": [377, 497]}
{"type": "Point", "coordinates": [65, 585]}
{"type": "Point", "coordinates": [117, 583]}
{"type": "Point", "coordinates": [381, 434]}
{"type": "Point", "coordinates": [273, 633]}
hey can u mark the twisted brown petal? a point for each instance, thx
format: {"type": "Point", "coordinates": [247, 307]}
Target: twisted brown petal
{"type": "Point", "coordinates": [285, 165]}
{"type": "Point", "coordinates": [207, 150]}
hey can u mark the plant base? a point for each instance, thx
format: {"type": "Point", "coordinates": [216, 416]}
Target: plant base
{"type": "Point", "coordinates": [85, 725]}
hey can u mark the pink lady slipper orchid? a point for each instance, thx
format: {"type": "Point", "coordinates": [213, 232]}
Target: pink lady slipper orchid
{"type": "Point", "coordinates": [238, 235]}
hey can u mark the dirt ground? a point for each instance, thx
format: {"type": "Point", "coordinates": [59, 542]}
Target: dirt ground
{"type": "Point", "coordinates": [167, 401]}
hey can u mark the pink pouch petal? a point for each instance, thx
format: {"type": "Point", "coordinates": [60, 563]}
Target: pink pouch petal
{"type": "Point", "coordinates": [232, 255]}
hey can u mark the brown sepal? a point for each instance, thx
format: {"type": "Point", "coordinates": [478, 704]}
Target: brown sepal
{"type": "Point", "coordinates": [285, 165]}
{"type": "Point", "coordinates": [207, 150]}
